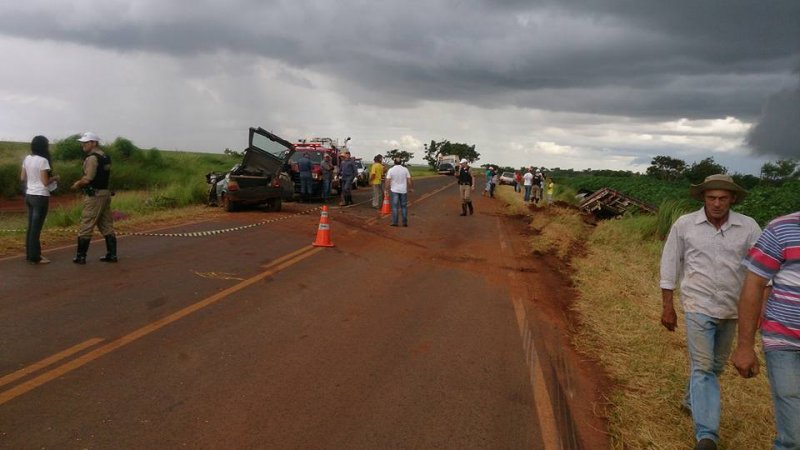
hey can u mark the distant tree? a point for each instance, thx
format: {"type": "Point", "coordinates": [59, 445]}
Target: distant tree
{"type": "Point", "coordinates": [233, 153]}
{"type": "Point", "coordinates": [462, 151]}
{"type": "Point", "coordinates": [700, 170]}
{"type": "Point", "coordinates": [746, 180]}
{"type": "Point", "coordinates": [125, 148]}
{"type": "Point", "coordinates": [779, 171]}
{"type": "Point", "coordinates": [68, 149]}
{"type": "Point", "coordinates": [666, 168]}
{"type": "Point", "coordinates": [397, 153]}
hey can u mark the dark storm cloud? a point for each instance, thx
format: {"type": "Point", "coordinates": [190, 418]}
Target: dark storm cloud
{"type": "Point", "coordinates": [647, 58]}
{"type": "Point", "coordinates": [777, 132]}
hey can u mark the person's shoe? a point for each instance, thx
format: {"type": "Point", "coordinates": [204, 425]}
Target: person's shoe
{"type": "Point", "coordinates": [42, 260]}
{"type": "Point", "coordinates": [706, 444]}
{"type": "Point", "coordinates": [109, 259]}
{"type": "Point", "coordinates": [392, 224]}
{"type": "Point", "coordinates": [405, 224]}
{"type": "Point", "coordinates": [79, 260]}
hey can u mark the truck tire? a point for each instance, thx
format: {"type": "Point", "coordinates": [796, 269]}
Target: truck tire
{"type": "Point", "coordinates": [228, 204]}
{"type": "Point", "coordinates": [276, 204]}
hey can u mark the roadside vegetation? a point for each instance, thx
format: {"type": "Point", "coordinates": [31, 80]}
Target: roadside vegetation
{"type": "Point", "coordinates": [614, 268]}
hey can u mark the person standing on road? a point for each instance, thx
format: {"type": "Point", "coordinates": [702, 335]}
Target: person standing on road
{"type": "Point", "coordinates": [326, 168]}
{"type": "Point", "coordinates": [304, 166]}
{"type": "Point", "coordinates": [527, 181]}
{"type": "Point", "coordinates": [493, 181]}
{"type": "Point", "coordinates": [536, 188]}
{"type": "Point", "coordinates": [35, 173]}
{"type": "Point", "coordinates": [96, 200]}
{"type": "Point", "coordinates": [466, 184]}
{"type": "Point", "coordinates": [348, 173]}
{"type": "Point", "coordinates": [376, 180]}
{"type": "Point", "coordinates": [776, 258]}
{"type": "Point", "coordinates": [704, 251]}
{"type": "Point", "coordinates": [398, 183]}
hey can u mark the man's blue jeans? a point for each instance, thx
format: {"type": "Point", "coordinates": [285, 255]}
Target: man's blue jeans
{"type": "Point", "coordinates": [709, 340]}
{"type": "Point", "coordinates": [326, 187]}
{"type": "Point", "coordinates": [305, 184]}
{"type": "Point", "coordinates": [528, 193]}
{"type": "Point", "coordinates": [783, 370]}
{"type": "Point", "coordinates": [399, 203]}
{"type": "Point", "coordinates": [37, 212]}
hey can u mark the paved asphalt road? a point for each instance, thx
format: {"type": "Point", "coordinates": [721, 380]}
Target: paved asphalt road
{"type": "Point", "coordinates": [252, 338]}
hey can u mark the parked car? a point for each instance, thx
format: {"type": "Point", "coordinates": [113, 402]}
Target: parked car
{"type": "Point", "coordinates": [260, 178]}
{"type": "Point", "coordinates": [362, 179]}
{"type": "Point", "coordinates": [507, 178]}
{"type": "Point", "coordinates": [446, 168]}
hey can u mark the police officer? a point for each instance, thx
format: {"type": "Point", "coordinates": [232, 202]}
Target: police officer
{"type": "Point", "coordinates": [96, 201]}
{"type": "Point", "coordinates": [466, 184]}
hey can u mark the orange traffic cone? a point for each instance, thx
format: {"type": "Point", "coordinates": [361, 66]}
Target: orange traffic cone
{"type": "Point", "coordinates": [324, 230]}
{"type": "Point", "coordinates": [387, 207]}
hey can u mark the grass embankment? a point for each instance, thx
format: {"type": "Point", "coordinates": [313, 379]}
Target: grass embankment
{"type": "Point", "coordinates": [619, 306]}
{"type": "Point", "coordinates": [135, 211]}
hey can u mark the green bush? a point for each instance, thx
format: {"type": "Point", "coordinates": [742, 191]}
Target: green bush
{"type": "Point", "coordinates": [68, 149]}
{"type": "Point", "coordinates": [9, 180]}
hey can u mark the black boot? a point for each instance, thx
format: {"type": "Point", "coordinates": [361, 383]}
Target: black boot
{"type": "Point", "coordinates": [469, 205]}
{"type": "Point", "coordinates": [111, 249]}
{"type": "Point", "coordinates": [463, 209]}
{"type": "Point", "coordinates": [349, 199]}
{"type": "Point", "coordinates": [83, 247]}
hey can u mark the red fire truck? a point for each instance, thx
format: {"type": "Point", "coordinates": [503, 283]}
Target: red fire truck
{"type": "Point", "coordinates": [316, 149]}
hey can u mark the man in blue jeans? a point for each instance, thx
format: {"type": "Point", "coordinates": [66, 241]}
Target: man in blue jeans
{"type": "Point", "coordinates": [398, 184]}
{"type": "Point", "coordinates": [704, 252]}
{"type": "Point", "coordinates": [776, 258]}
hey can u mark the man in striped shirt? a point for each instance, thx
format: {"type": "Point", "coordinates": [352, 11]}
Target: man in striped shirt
{"type": "Point", "coordinates": [775, 257]}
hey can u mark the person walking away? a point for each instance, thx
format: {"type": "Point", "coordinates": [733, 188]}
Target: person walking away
{"type": "Point", "coordinates": [36, 174]}
{"type": "Point", "coordinates": [96, 200]}
{"type": "Point", "coordinates": [517, 181]}
{"type": "Point", "coordinates": [304, 166]}
{"type": "Point", "coordinates": [466, 184]}
{"type": "Point", "coordinates": [326, 169]}
{"type": "Point", "coordinates": [704, 251]}
{"type": "Point", "coordinates": [527, 181]}
{"type": "Point", "coordinates": [550, 189]}
{"type": "Point", "coordinates": [536, 188]}
{"type": "Point", "coordinates": [775, 257]}
{"type": "Point", "coordinates": [488, 187]}
{"type": "Point", "coordinates": [348, 172]}
{"type": "Point", "coordinates": [493, 183]}
{"type": "Point", "coordinates": [398, 184]}
{"type": "Point", "coordinates": [376, 181]}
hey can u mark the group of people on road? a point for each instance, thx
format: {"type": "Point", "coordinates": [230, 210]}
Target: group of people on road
{"type": "Point", "coordinates": [537, 186]}
{"type": "Point", "coordinates": [37, 175]}
{"type": "Point", "coordinates": [723, 263]}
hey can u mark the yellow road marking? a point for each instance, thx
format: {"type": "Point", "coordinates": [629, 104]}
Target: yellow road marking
{"type": "Point", "coordinates": [270, 269]}
{"type": "Point", "coordinates": [48, 361]}
{"type": "Point", "coordinates": [541, 396]}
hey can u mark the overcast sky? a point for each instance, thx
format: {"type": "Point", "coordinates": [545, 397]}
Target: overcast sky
{"type": "Point", "coordinates": [561, 83]}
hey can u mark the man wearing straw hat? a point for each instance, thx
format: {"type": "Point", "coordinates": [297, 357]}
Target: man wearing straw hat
{"type": "Point", "coordinates": [704, 252]}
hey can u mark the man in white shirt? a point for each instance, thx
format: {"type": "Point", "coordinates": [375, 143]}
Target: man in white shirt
{"type": "Point", "coordinates": [527, 182]}
{"type": "Point", "coordinates": [398, 184]}
{"type": "Point", "coordinates": [704, 252]}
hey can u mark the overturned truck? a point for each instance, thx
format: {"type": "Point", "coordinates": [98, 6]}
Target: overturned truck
{"type": "Point", "coordinates": [608, 203]}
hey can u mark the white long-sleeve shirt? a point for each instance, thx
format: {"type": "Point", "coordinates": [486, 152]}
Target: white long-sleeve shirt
{"type": "Point", "coordinates": [708, 262]}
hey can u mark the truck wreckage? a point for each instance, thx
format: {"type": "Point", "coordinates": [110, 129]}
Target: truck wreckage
{"type": "Point", "coordinates": [607, 203]}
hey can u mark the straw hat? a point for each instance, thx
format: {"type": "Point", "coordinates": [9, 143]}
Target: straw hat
{"type": "Point", "coordinates": [718, 181]}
